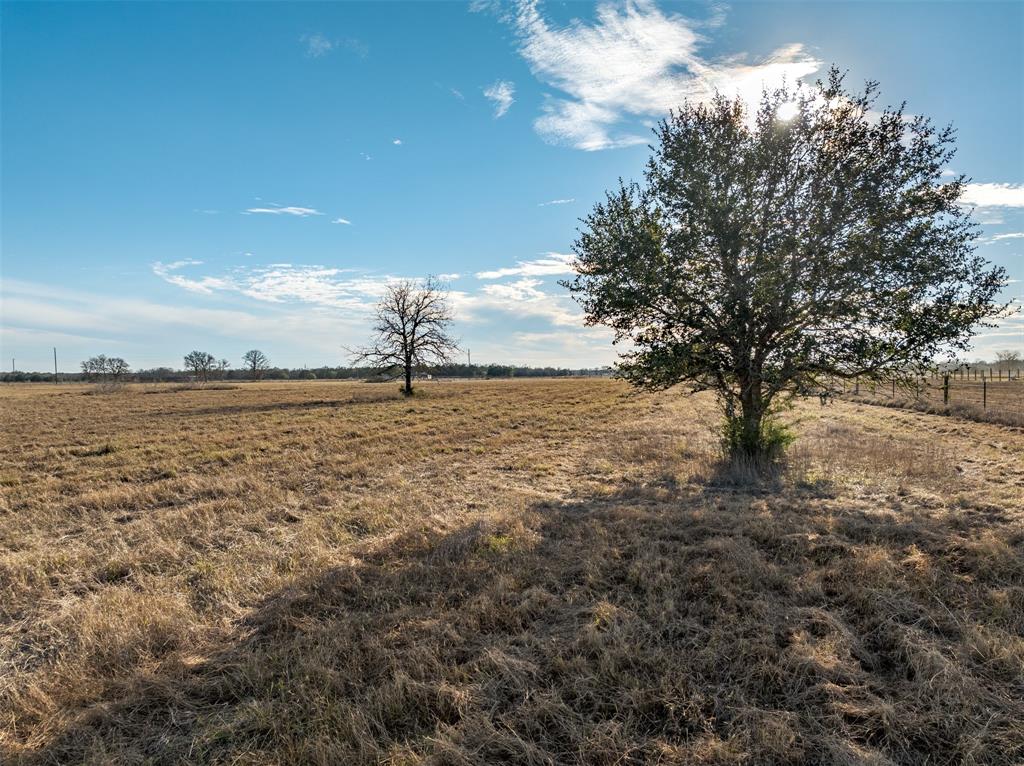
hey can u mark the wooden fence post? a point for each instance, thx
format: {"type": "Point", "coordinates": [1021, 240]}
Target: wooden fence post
{"type": "Point", "coordinates": [984, 392]}
{"type": "Point", "coordinates": [945, 389]}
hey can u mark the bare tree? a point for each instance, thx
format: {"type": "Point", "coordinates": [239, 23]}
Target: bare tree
{"type": "Point", "coordinates": [105, 368]}
{"type": "Point", "coordinates": [411, 329]}
{"type": "Point", "coordinates": [117, 368]}
{"type": "Point", "coordinates": [257, 363]}
{"type": "Point", "coordinates": [95, 367]}
{"type": "Point", "coordinates": [200, 363]}
{"type": "Point", "coordinates": [1008, 357]}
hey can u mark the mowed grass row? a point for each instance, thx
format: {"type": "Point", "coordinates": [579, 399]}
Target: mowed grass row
{"type": "Point", "coordinates": [509, 571]}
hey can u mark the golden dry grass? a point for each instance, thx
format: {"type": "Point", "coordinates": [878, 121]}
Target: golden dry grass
{"type": "Point", "coordinates": [505, 572]}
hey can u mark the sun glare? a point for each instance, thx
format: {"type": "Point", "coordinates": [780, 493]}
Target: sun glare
{"type": "Point", "coordinates": [788, 110]}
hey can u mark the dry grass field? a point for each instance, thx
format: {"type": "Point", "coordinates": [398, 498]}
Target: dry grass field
{"type": "Point", "coordinates": [530, 572]}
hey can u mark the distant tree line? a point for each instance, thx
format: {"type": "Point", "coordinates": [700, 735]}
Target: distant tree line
{"type": "Point", "coordinates": [215, 372]}
{"type": "Point", "coordinates": [454, 370]}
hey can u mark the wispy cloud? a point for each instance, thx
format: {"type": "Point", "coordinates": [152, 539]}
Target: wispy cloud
{"type": "Point", "coordinates": [138, 328]}
{"type": "Point", "coordinates": [993, 195]}
{"type": "Point", "coordinates": [633, 63]}
{"type": "Point", "coordinates": [397, 142]}
{"type": "Point", "coordinates": [522, 299]}
{"type": "Point", "coordinates": [284, 283]}
{"type": "Point", "coordinates": [300, 212]}
{"type": "Point", "coordinates": [344, 221]}
{"type": "Point", "coordinates": [501, 93]}
{"type": "Point", "coordinates": [167, 272]}
{"type": "Point", "coordinates": [557, 202]}
{"type": "Point", "coordinates": [551, 264]}
{"type": "Point", "coordinates": [1010, 235]}
{"type": "Point", "coordinates": [318, 45]}
{"type": "Point", "coordinates": [354, 293]}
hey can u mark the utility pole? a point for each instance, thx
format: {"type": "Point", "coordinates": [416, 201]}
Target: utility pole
{"type": "Point", "coordinates": [469, 357]}
{"type": "Point", "coordinates": [54, 364]}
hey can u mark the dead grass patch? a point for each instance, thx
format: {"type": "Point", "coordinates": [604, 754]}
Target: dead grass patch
{"type": "Point", "coordinates": [501, 572]}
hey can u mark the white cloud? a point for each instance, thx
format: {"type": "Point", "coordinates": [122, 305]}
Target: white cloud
{"type": "Point", "coordinates": [1011, 235]}
{"type": "Point", "coordinates": [344, 221]}
{"type": "Point", "coordinates": [632, 63]}
{"type": "Point", "coordinates": [521, 299]}
{"type": "Point", "coordinates": [561, 344]}
{"type": "Point", "coordinates": [551, 264]}
{"type": "Point", "coordinates": [204, 285]}
{"type": "Point", "coordinates": [317, 45]}
{"type": "Point", "coordinates": [180, 264]}
{"type": "Point", "coordinates": [993, 195]}
{"type": "Point", "coordinates": [300, 212]}
{"type": "Point", "coordinates": [148, 333]}
{"type": "Point", "coordinates": [285, 283]}
{"type": "Point", "coordinates": [354, 294]}
{"type": "Point", "coordinates": [397, 142]}
{"type": "Point", "coordinates": [501, 92]}
{"type": "Point", "coordinates": [557, 202]}
{"type": "Point", "coordinates": [449, 277]}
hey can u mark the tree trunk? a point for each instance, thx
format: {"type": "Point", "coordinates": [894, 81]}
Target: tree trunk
{"type": "Point", "coordinates": [408, 378]}
{"type": "Point", "coordinates": [750, 426]}
{"type": "Point", "coordinates": [746, 436]}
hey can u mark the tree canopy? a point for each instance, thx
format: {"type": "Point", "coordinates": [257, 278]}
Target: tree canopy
{"type": "Point", "coordinates": [256, 362]}
{"type": "Point", "coordinates": [105, 367]}
{"type": "Point", "coordinates": [765, 254]}
{"type": "Point", "coordinates": [201, 363]}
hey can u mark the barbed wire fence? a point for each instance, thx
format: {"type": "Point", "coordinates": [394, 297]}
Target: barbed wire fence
{"type": "Point", "coordinates": [983, 394]}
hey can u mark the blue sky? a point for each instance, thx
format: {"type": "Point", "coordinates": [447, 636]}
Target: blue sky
{"type": "Point", "coordinates": [224, 176]}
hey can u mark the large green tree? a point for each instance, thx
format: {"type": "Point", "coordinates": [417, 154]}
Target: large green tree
{"type": "Point", "coordinates": [770, 250]}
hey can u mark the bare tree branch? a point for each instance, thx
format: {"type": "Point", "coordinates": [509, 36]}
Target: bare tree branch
{"type": "Point", "coordinates": [410, 329]}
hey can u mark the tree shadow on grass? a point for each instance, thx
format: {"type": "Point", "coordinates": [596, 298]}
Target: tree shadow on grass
{"type": "Point", "coordinates": [662, 624]}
